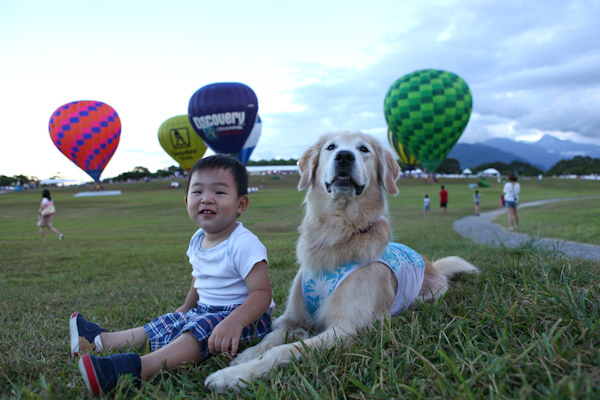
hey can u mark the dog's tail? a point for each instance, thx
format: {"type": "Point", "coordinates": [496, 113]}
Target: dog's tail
{"type": "Point", "coordinates": [450, 266]}
{"type": "Point", "coordinates": [436, 280]}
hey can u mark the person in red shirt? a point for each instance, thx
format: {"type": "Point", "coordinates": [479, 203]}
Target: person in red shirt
{"type": "Point", "coordinates": [444, 200]}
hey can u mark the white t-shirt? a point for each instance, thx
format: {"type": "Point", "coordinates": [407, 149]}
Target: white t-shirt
{"type": "Point", "coordinates": [511, 191]}
{"type": "Point", "coordinates": [220, 271]}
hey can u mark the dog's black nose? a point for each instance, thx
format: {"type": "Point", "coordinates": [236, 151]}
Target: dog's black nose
{"type": "Point", "coordinates": [344, 158]}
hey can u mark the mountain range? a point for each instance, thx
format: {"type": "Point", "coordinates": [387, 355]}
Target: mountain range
{"type": "Point", "coordinates": [543, 154]}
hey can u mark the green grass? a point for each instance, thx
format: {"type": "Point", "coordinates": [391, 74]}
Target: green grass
{"type": "Point", "coordinates": [575, 220]}
{"type": "Point", "coordinates": [526, 328]}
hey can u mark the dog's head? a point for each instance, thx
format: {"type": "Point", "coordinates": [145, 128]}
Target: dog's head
{"type": "Point", "coordinates": [345, 164]}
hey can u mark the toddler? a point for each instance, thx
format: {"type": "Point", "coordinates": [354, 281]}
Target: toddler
{"type": "Point", "coordinates": [229, 300]}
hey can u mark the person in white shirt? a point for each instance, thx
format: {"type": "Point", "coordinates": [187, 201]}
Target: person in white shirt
{"type": "Point", "coordinates": [476, 200]}
{"type": "Point", "coordinates": [511, 199]}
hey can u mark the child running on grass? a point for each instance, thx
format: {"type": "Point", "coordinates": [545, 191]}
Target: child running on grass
{"type": "Point", "coordinates": [229, 300]}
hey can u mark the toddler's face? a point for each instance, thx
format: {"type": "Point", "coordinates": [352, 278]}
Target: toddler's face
{"type": "Point", "coordinates": [213, 202]}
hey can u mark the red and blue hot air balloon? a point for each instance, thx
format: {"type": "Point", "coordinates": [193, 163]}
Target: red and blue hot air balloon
{"type": "Point", "coordinates": [224, 114]}
{"type": "Point", "coordinates": [251, 142]}
{"type": "Point", "coordinates": [87, 133]}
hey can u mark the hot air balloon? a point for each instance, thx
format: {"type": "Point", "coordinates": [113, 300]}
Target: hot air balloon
{"type": "Point", "coordinates": [178, 138]}
{"type": "Point", "coordinates": [251, 142]}
{"type": "Point", "coordinates": [223, 114]}
{"type": "Point", "coordinates": [427, 111]}
{"type": "Point", "coordinates": [87, 133]}
{"type": "Point", "coordinates": [406, 158]}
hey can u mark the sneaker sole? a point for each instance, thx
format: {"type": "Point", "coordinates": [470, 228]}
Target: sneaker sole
{"type": "Point", "coordinates": [79, 344]}
{"type": "Point", "coordinates": [74, 335]}
{"type": "Point", "coordinates": [89, 375]}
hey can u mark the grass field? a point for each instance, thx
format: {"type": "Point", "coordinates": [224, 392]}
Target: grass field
{"type": "Point", "coordinates": [528, 327]}
{"type": "Point", "coordinates": [576, 221]}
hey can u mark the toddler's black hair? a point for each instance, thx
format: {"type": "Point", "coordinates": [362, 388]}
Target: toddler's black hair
{"type": "Point", "coordinates": [226, 162]}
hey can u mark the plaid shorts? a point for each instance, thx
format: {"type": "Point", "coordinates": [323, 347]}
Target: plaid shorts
{"type": "Point", "coordinates": [200, 321]}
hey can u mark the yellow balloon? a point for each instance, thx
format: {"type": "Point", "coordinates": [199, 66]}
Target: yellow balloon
{"type": "Point", "coordinates": [406, 158]}
{"type": "Point", "coordinates": [179, 139]}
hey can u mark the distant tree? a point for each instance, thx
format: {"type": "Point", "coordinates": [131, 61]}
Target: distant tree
{"type": "Point", "coordinates": [578, 165]}
{"type": "Point", "coordinates": [142, 173]}
{"type": "Point", "coordinates": [141, 170]}
{"type": "Point", "coordinates": [13, 180]}
{"type": "Point", "coordinates": [449, 166]}
{"type": "Point", "coordinates": [6, 180]}
{"type": "Point", "coordinates": [136, 174]}
{"type": "Point", "coordinates": [165, 173]}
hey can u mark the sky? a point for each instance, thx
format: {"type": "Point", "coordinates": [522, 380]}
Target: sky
{"type": "Point", "coordinates": [533, 68]}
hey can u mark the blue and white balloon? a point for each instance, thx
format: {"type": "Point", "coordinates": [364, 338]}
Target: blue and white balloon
{"type": "Point", "coordinates": [251, 142]}
{"type": "Point", "coordinates": [224, 114]}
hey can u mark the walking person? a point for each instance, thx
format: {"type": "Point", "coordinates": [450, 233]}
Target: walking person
{"type": "Point", "coordinates": [45, 213]}
{"type": "Point", "coordinates": [511, 199]}
{"type": "Point", "coordinates": [444, 200]}
{"type": "Point", "coordinates": [426, 206]}
{"type": "Point", "coordinates": [476, 198]}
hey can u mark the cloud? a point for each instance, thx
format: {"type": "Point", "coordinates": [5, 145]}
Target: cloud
{"type": "Point", "coordinates": [531, 67]}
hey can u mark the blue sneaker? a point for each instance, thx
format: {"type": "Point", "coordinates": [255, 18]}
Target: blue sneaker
{"type": "Point", "coordinates": [101, 374]}
{"type": "Point", "coordinates": [83, 334]}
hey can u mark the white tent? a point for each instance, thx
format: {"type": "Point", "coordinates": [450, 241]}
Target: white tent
{"type": "Point", "coordinates": [60, 182]}
{"type": "Point", "coordinates": [491, 171]}
{"type": "Point", "coordinates": [467, 171]}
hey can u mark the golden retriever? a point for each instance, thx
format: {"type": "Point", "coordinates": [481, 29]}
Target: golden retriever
{"type": "Point", "coordinates": [345, 227]}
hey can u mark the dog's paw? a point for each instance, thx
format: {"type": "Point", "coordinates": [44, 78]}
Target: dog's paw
{"type": "Point", "coordinates": [247, 355]}
{"type": "Point", "coordinates": [224, 380]}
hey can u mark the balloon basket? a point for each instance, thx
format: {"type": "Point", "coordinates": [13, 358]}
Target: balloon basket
{"type": "Point", "coordinates": [99, 193]}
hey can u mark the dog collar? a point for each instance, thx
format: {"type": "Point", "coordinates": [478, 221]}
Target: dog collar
{"type": "Point", "coordinates": [360, 231]}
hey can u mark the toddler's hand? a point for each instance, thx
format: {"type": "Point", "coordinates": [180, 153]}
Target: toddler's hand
{"type": "Point", "coordinates": [226, 335]}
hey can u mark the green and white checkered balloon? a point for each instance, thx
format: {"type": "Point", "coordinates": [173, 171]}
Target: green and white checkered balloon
{"type": "Point", "coordinates": [427, 111]}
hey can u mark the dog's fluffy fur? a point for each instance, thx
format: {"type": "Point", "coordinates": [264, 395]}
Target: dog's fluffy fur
{"type": "Point", "coordinates": [346, 175]}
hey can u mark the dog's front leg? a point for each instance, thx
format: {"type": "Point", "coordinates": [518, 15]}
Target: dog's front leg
{"type": "Point", "coordinates": [274, 338]}
{"type": "Point", "coordinates": [293, 317]}
{"type": "Point", "coordinates": [231, 378]}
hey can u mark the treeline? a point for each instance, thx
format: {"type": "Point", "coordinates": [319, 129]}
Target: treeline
{"type": "Point", "coordinates": [143, 173]}
{"type": "Point", "coordinates": [517, 167]}
{"type": "Point", "coordinates": [452, 166]}
{"type": "Point", "coordinates": [261, 163]}
{"type": "Point", "coordinates": [18, 179]}
{"type": "Point", "coordinates": [578, 165]}
{"type": "Point", "coordinates": [139, 173]}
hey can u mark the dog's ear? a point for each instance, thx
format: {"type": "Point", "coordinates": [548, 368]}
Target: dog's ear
{"type": "Point", "coordinates": [307, 164]}
{"type": "Point", "coordinates": [389, 170]}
